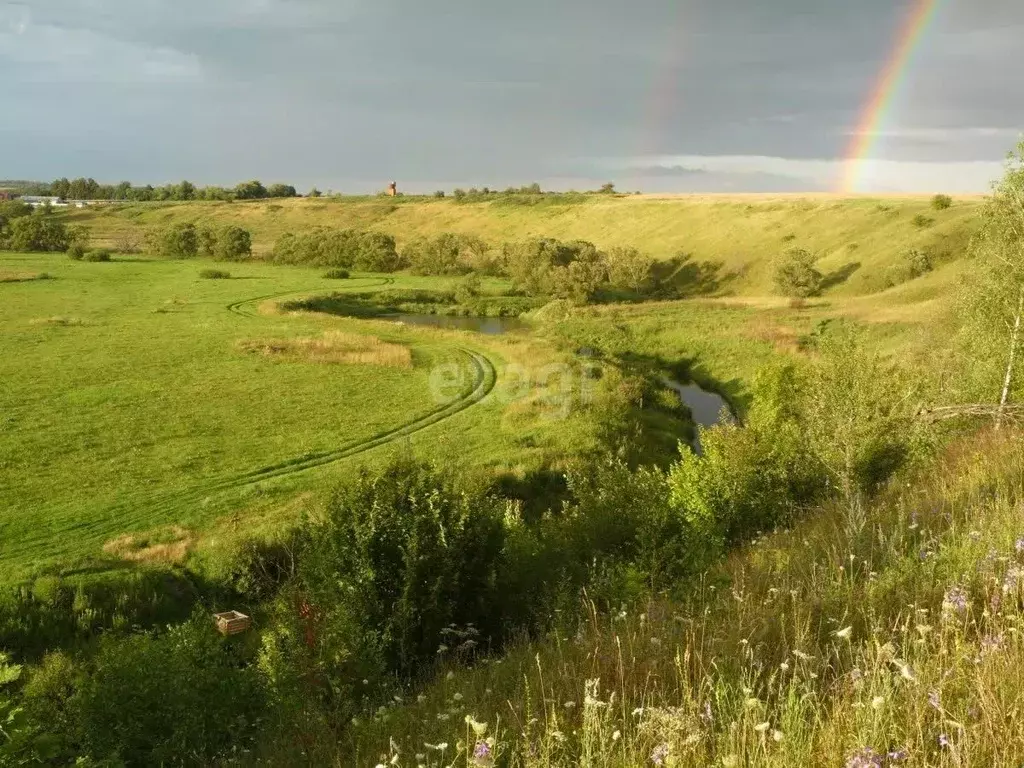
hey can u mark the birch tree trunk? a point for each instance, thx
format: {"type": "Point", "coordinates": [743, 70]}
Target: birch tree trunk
{"type": "Point", "coordinates": [1012, 357]}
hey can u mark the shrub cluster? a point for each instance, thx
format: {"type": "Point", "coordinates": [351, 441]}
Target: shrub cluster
{"type": "Point", "coordinates": [796, 276]}
{"type": "Point", "coordinates": [545, 267]}
{"type": "Point", "coordinates": [214, 274]}
{"type": "Point", "coordinates": [228, 243]}
{"type": "Point", "coordinates": [911, 265]}
{"type": "Point", "coordinates": [345, 248]}
{"type": "Point", "coordinates": [186, 241]}
{"type": "Point", "coordinates": [36, 231]}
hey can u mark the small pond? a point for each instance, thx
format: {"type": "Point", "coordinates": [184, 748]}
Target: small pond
{"type": "Point", "coordinates": [708, 408]}
{"type": "Point", "coordinates": [491, 326]}
{"type": "Point", "coordinates": [705, 406]}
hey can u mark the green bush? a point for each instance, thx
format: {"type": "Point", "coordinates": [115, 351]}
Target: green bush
{"type": "Point", "coordinates": [547, 267]}
{"type": "Point", "coordinates": [344, 248]}
{"type": "Point", "coordinates": [751, 478]}
{"type": "Point", "coordinates": [468, 288]}
{"type": "Point", "coordinates": [38, 232]}
{"type": "Point", "coordinates": [911, 265]}
{"type": "Point", "coordinates": [76, 251]}
{"type": "Point", "coordinates": [234, 243]}
{"type": "Point", "coordinates": [336, 274]}
{"type": "Point", "coordinates": [97, 255]}
{"type": "Point", "coordinates": [56, 612]}
{"type": "Point", "coordinates": [922, 222]}
{"type": "Point", "coordinates": [183, 696]}
{"type": "Point", "coordinates": [404, 553]}
{"type": "Point", "coordinates": [178, 241]}
{"type": "Point", "coordinates": [942, 202]}
{"type": "Point", "coordinates": [443, 254]}
{"type": "Point", "coordinates": [796, 276]}
{"type": "Point", "coordinates": [214, 274]}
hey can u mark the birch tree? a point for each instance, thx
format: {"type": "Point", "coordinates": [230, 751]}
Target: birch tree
{"type": "Point", "coordinates": [995, 301]}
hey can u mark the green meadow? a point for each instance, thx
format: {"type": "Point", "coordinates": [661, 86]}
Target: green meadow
{"type": "Point", "coordinates": [131, 401]}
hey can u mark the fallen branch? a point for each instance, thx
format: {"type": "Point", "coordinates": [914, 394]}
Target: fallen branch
{"type": "Point", "coordinates": [946, 412]}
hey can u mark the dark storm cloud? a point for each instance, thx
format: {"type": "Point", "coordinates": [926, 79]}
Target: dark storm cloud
{"type": "Point", "coordinates": [345, 93]}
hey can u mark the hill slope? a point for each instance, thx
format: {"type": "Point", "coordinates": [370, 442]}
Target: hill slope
{"type": "Point", "coordinates": [856, 239]}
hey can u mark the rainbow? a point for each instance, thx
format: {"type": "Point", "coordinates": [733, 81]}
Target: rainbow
{"type": "Point", "coordinates": [865, 137]}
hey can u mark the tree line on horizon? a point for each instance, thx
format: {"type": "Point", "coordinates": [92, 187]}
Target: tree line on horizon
{"type": "Point", "coordinates": [90, 189]}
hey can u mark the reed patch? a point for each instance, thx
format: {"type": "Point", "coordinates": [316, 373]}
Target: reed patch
{"type": "Point", "coordinates": [333, 347]}
{"type": "Point", "coordinates": [165, 545]}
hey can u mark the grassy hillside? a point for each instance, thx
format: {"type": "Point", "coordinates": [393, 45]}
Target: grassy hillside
{"type": "Point", "coordinates": [888, 638]}
{"type": "Point", "coordinates": [856, 239]}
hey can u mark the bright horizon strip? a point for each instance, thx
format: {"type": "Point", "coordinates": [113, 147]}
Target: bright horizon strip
{"type": "Point", "coordinates": [877, 108]}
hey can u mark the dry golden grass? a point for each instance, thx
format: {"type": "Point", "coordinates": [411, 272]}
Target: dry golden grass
{"type": "Point", "coordinates": [781, 337]}
{"type": "Point", "coordinates": [13, 276]}
{"type": "Point", "coordinates": [334, 347]}
{"type": "Point", "coordinates": [57, 320]}
{"type": "Point", "coordinates": [168, 545]}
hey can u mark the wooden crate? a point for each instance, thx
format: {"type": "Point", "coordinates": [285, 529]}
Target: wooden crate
{"type": "Point", "coordinates": [232, 622]}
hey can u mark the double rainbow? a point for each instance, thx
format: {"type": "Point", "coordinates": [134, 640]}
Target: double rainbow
{"type": "Point", "coordinates": [866, 135]}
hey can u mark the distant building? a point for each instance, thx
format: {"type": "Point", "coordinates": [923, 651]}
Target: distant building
{"type": "Point", "coordinates": [392, 189]}
{"type": "Point", "coordinates": [35, 200]}
{"type": "Point", "coordinates": [4, 194]}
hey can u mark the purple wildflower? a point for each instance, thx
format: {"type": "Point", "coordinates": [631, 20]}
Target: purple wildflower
{"type": "Point", "coordinates": [991, 644]}
{"type": "Point", "coordinates": [865, 757]}
{"type": "Point", "coordinates": [933, 699]}
{"type": "Point", "coordinates": [660, 754]}
{"type": "Point", "coordinates": [482, 755]}
{"type": "Point", "coordinates": [956, 600]}
{"type": "Point", "coordinates": [1018, 546]}
{"type": "Point", "coordinates": [1013, 578]}
{"type": "Point", "coordinates": [482, 750]}
{"type": "Point", "coordinates": [898, 755]}
{"type": "Point", "coordinates": [943, 741]}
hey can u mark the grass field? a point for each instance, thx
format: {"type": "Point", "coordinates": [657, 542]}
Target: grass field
{"type": "Point", "coordinates": [137, 395]}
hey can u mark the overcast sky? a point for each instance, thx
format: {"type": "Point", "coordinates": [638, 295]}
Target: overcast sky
{"type": "Point", "coordinates": [659, 95]}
